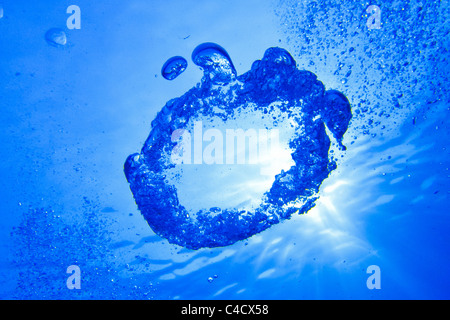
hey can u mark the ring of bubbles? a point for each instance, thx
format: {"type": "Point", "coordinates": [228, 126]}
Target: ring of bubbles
{"type": "Point", "coordinates": [275, 86]}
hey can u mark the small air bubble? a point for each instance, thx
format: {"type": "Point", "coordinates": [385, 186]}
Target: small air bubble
{"type": "Point", "coordinates": [173, 67]}
{"type": "Point", "coordinates": [56, 37]}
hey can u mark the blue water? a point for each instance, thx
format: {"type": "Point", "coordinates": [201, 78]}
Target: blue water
{"type": "Point", "coordinates": [74, 110]}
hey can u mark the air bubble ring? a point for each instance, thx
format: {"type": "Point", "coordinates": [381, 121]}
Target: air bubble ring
{"type": "Point", "coordinates": [273, 78]}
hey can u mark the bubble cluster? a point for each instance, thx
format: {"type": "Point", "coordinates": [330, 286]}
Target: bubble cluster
{"type": "Point", "coordinates": [391, 72]}
{"type": "Point", "coordinates": [47, 242]}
